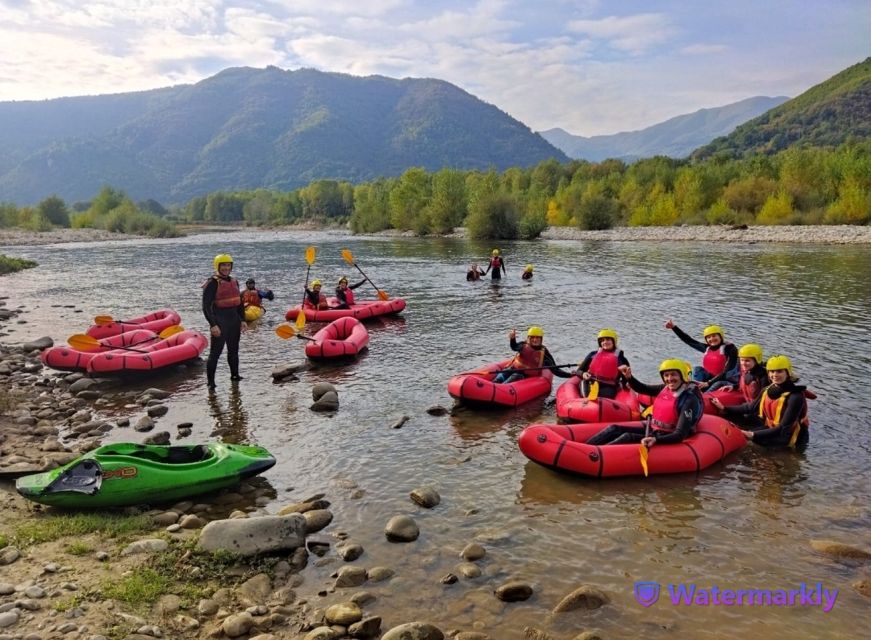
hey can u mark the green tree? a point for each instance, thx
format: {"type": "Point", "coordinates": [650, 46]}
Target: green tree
{"type": "Point", "coordinates": [54, 209]}
{"type": "Point", "coordinates": [493, 216]}
{"type": "Point", "coordinates": [777, 209]}
{"type": "Point", "coordinates": [853, 205]}
{"type": "Point", "coordinates": [371, 207]}
{"type": "Point", "coordinates": [448, 207]}
{"type": "Point", "coordinates": [409, 199]}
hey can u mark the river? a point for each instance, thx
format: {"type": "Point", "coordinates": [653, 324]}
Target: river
{"type": "Point", "coordinates": [746, 523]}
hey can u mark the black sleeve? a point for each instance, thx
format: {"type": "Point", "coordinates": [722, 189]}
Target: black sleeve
{"type": "Point", "coordinates": [340, 294]}
{"type": "Point", "coordinates": [622, 360]}
{"type": "Point", "coordinates": [731, 352]}
{"type": "Point", "coordinates": [502, 264]}
{"type": "Point", "coordinates": [788, 417]}
{"type": "Point", "coordinates": [647, 389]}
{"type": "Point", "coordinates": [209, 292]}
{"type": "Point", "coordinates": [354, 286]}
{"type": "Point", "coordinates": [487, 269]}
{"type": "Point", "coordinates": [690, 407]}
{"type": "Point", "coordinates": [551, 364]}
{"type": "Point", "coordinates": [516, 346]}
{"type": "Point", "coordinates": [695, 344]}
{"type": "Point", "coordinates": [745, 410]}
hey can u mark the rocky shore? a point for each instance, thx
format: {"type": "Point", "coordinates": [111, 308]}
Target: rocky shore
{"type": "Point", "coordinates": [19, 237]}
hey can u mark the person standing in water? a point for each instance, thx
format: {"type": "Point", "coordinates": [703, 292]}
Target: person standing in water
{"type": "Point", "coordinates": [225, 313]}
{"type": "Point", "coordinates": [496, 266]}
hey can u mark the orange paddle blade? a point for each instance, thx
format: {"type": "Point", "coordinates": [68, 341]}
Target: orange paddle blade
{"type": "Point", "coordinates": [171, 331]}
{"type": "Point", "coordinates": [310, 254]}
{"type": "Point", "coordinates": [82, 342]}
{"type": "Point", "coordinates": [382, 295]}
{"type": "Point", "coordinates": [285, 331]}
{"type": "Point", "coordinates": [103, 320]}
{"type": "Point", "coordinates": [347, 256]}
{"type": "Point", "coordinates": [643, 453]}
{"type": "Point", "coordinates": [594, 391]}
{"type": "Point", "coordinates": [300, 320]}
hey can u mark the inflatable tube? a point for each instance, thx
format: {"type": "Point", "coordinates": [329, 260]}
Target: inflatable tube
{"type": "Point", "coordinates": [177, 348]}
{"type": "Point", "coordinates": [478, 389]}
{"type": "Point", "coordinates": [342, 338]}
{"type": "Point", "coordinates": [729, 398]}
{"type": "Point", "coordinates": [65, 358]}
{"type": "Point", "coordinates": [253, 313]}
{"type": "Point", "coordinates": [155, 321]}
{"type": "Point", "coordinates": [561, 447]}
{"type": "Point", "coordinates": [362, 310]}
{"type": "Point", "coordinates": [571, 406]}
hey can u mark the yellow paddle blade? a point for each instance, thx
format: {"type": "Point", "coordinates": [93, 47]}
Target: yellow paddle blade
{"type": "Point", "coordinates": [347, 256]}
{"type": "Point", "coordinates": [310, 253]}
{"type": "Point", "coordinates": [285, 331]}
{"type": "Point", "coordinates": [594, 390]}
{"type": "Point", "coordinates": [82, 342]}
{"type": "Point", "coordinates": [171, 331]}
{"type": "Point", "coordinates": [103, 320]}
{"type": "Point", "coordinates": [642, 456]}
{"type": "Point", "coordinates": [300, 320]}
{"type": "Point", "coordinates": [382, 295]}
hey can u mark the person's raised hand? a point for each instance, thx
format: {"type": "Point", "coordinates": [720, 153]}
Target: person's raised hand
{"type": "Point", "coordinates": [512, 335]}
{"type": "Point", "coordinates": [669, 324]}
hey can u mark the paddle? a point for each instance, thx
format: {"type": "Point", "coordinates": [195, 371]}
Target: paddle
{"type": "Point", "coordinates": [83, 342]}
{"type": "Point", "coordinates": [349, 258]}
{"type": "Point", "coordinates": [553, 366]}
{"type": "Point", "coordinates": [309, 258]}
{"type": "Point", "coordinates": [643, 451]}
{"type": "Point", "coordinates": [285, 331]}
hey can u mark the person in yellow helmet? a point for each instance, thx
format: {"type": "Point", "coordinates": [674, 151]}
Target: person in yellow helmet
{"type": "Point", "coordinates": [532, 358]}
{"type": "Point", "coordinates": [314, 298]}
{"type": "Point", "coordinates": [527, 273]}
{"type": "Point", "coordinates": [720, 359]}
{"type": "Point", "coordinates": [474, 273]}
{"type": "Point", "coordinates": [604, 366]}
{"type": "Point", "coordinates": [782, 406]}
{"type": "Point", "coordinates": [345, 292]}
{"type": "Point", "coordinates": [676, 410]}
{"type": "Point", "coordinates": [225, 313]}
{"type": "Point", "coordinates": [496, 265]}
{"type": "Point", "coordinates": [753, 376]}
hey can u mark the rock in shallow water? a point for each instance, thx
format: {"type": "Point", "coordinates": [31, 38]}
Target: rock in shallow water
{"type": "Point", "coordinates": [401, 529]}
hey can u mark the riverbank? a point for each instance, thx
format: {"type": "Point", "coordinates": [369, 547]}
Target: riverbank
{"type": "Point", "coordinates": [20, 237]}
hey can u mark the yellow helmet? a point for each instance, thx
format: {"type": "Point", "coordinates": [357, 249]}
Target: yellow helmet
{"type": "Point", "coordinates": [712, 329]}
{"type": "Point", "coordinates": [674, 364]}
{"type": "Point", "coordinates": [529, 268]}
{"type": "Point", "coordinates": [779, 363]}
{"type": "Point", "coordinates": [495, 252]}
{"type": "Point", "coordinates": [534, 332]}
{"type": "Point", "coordinates": [220, 259]}
{"type": "Point", "coordinates": [343, 279]}
{"type": "Point", "coordinates": [607, 333]}
{"type": "Point", "coordinates": [751, 350]}
{"type": "Point", "coordinates": [316, 283]}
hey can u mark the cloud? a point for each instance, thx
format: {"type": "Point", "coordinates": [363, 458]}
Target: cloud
{"type": "Point", "coordinates": [704, 49]}
{"type": "Point", "coordinates": [633, 34]}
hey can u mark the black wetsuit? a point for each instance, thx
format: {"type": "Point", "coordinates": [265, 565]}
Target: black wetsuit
{"type": "Point", "coordinates": [689, 405]}
{"type": "Point", "coordinates": [527, 275]}
{"type": "Point", "coordinates": [340, 294]}
{"type": "Point", "coordinates": [794, 410]}
{"type": "Point", "coordinates": [606, 389]}
{"type": "Point", "coordinates": [229, 321]}
{"type": "Point", "coordinates": [729, 350]}
{"type": "Point", "coordinates": [496, 274]}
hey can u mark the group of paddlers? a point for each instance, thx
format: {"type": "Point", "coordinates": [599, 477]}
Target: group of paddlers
{"type": "Point", "coordinates": [496, 268]}
{"type": "Point", "coordinates": [774, 406]}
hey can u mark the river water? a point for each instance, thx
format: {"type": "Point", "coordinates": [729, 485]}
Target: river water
{"type": "Point", "coordinates": [746, 523]}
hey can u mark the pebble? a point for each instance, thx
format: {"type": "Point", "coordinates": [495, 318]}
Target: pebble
{"type": "Point", "coordinates": [426, 497]}
{"type": "Point", "coordinates": [584, 597]}
{"type": "Point", "coordinates": [514, 592]}
{"type": "Point", "coordinates": [401, 529]}
{"type": "Point", "coordinates": [415, 631]}
{"type": "Point", "coordinates": [472, 552]}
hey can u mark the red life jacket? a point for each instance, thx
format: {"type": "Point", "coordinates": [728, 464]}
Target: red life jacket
{"type": "Point", "coordinates": [665, 414]}
{"type": "Point", "coordinates": [603, 366]}
{"type": "Point", "coordinates": [528, 358]}
{"type": "Point", "coordinates": [251, 298]}
{"type": "Point", "coordinates": [495, 263]}
{"type": "Point", "coordinates": [749, 385]}
{"type": "Point", "coordinates": [771, 408]}
{"type": "Point", "coordinates": [322, 302]}
{"type": "Point", "coordinates": [349, 296]}
{"type": "Point", "coordinates": [714, 360]}
{"type": "Point", "coordinates": [227, 294]}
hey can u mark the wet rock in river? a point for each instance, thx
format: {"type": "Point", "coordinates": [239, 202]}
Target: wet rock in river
{"type": "Point", "coordinates": [154, 392]}
{"type": "Point", "coordinates": [426, 497]}
{"type": "Point", "coordinates": [862, 587]}
{"type": "Point", "coordinates": [322, 633]}
{"type": "Point", "coordinates": [145, 423]}
{"type": "Point", "coordinates": [839, 550]}
{"type": "Point", "coordinates": [401, 529]}
{"type": "Point", "coordinates": [437, 410]}
{"type": "Point", "coordinates": [472, 552]}
{"type": "Point", "coordinates": [414, 631]}
{"type": "Point", "coordinates": [398, 424]}
{"type": "Point", "coordinates": [350, 576]}
{"type": "Point", "coordinates": [531, 633]}
{"type": "Point", "coordinates": [157, 410]}
{"type": "Point", "coordinates": [584, 597]}
{"type": "Point", "coordinates": [344, 613]}
{"type": "Point", "coordinates": [350, 552]}
{"type": "Point", "coordinates": [514, 592]}
{"type": "Point", "coordinates": [329, 401]}
{"type": "Point", "coordinates": [469, 570]}
{"type": "Point", "coordinates": [287, 370]}
{"type": "Point", "coordinates": [380, 574]}
{"type": "Point", "coordinates": [316, 520]}
{"type": "Point", "coordinates": [588, 635]}
{"type": "Point", "coordinates": [161, 437]}
{"type": "Point", "coordinates": [321, 388]}
{"type": "Point", "coordinates": [367, 628]}
{"type": "Point", "coordinates": [472, 635]}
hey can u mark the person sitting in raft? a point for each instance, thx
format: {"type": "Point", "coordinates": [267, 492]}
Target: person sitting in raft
{"type": "Point", "coordinates": [345, 293]}
{"type": "Point", "coordinates": [497, 264]}
{"type": "Point", "coordinates": [782, 406]}
{"type": "Point", "coordinates": [314, 299]}
{"type": "Point", "coordinates": [252, 296]}
{"type": "Point", "coordinates": [603, 366]}
{"type": "Point", "coordinates": [753, 377]}
{"type": "Point", "coordinates": [527, 273]}
{"type": "Point", "coordinates": [720, 362]}
{"type": "Point", "coordinates": [474, 273]}
{"type": "Point", "coordinates": [676, 410]}
{"type": "Point", "coordinates": [532, 358]}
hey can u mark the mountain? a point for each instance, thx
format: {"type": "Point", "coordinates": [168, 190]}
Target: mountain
{"type": "Point", "coordinates": [677, 137]}
{"type": "Point", "coordinates": [825, 115]}
{"type": "Point", "coordinates": [247, 128]}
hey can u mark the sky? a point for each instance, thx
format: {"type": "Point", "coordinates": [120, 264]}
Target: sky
{"type": "Point", "coordinates": [588, 66]}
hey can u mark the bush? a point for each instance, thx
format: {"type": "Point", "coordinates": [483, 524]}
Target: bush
{"type": "Point", "coordinates": [777, 209]}
{"type": "Point", "coordinates": [598, 212]}
{"type": "Point", "coordinates": [55, 211]}
{"type": "Point", "coordinates": [11, 265]}
{"type": "Point", "coordinates": [853, 205]}
{"type": "Point", "coordinates": [493, 216]}
{"type": "Point", "coordinates": [532, 224]}
{"type": "Point", "coordinates": [721, 213]}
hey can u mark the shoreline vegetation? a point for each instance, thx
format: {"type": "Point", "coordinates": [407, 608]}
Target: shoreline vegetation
{"type": "Point", "coordinates": [11, 265]}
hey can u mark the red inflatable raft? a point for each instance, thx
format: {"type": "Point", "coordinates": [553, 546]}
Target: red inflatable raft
{"type": "Point", "coordinates": [362, 310]}
{"type": "Point", "coordinates": [177, 348]}
{"type": "Point", "coordinates": [65, 358]}
{"type": "Point", "coordinates": [729, 398]}
{"type": "Point", "coordinates": [156, 321]}
{"type": "Point", "coordinates": [571, 406]}
{"type": "Point", "coordinates": [477, 387]}
{"type": "Point", "coordinates": [561, 447]}
{"type": "Point", "coordinates": [345, 337]}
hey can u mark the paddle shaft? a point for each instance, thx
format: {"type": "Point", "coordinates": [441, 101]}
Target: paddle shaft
{"type": "Point", "coordinates": [367, 277]}
{"type": "Point", "coordinates": [553, 366]}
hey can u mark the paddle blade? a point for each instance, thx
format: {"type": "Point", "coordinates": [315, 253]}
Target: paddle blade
{"type": "Point", "coordinates": [310, 253]}
{"type": "Point", "coordinates": [347, 256]}
{"type": "Point", "coordinates": [594, 390]}
{"type": "Point", "coordinates": [103, 320]}
{"type": "Point", "coordinates": [82, 342]}
{"type": "Point", "coordinates": [382, 295]}
{"type": "Point", "coordinates": [285, 331]}
{"type": "Point", "coordinates": [171, 331]}
{"type": "Point", "coordinates": [642, 456]}
{"type": "Point", "coordinates": [300, 320]}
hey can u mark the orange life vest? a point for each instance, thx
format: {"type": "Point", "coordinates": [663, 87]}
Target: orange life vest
{"type": "Point", "coordinates": [528, 358]}
{"type": "Point", "coordinates": [227, 294]}
{"type": "Point", "coordinates": [322, 302]}
{"type": "Point", "coordinates": [603, 366]}
{"type": "Point", "coordinates": [251, 298]}
{"type": "Point", "coordinates": [771, 408]}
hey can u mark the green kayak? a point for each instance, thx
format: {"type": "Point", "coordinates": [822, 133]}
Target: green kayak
{"type": "Point", "coordinates": [121, 474]}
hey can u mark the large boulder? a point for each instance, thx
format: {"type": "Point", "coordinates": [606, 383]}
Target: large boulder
{"type": "Point", "coordinates": [40, 343]}
{"type": "Point", "coordinates": [250, 536]}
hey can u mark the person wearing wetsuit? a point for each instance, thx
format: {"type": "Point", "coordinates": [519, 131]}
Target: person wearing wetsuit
{"type": "Point", "coordinates": [720, 362]}
{"type": "Point", "coordinates": [676, 410]}
{"type": "Point", "coordinates": [252, 296]}
{"type": "Point", "coordinates": [314, 299]}
{"type": "Point", "coordinates": [782, 406]}
{"type": "Point", "coordinates": [496, 266]}
{"type": "Point", "coordinates": [527, 273]}
{"type": "Point", "coordinates": [603, 366]}
{"type": "Point", "coordinates": [345, 294]}
{"type": "Point", "coordinates": [532, 355]}
{"type": "Point", "coordinates": [225, 313]}
{"type": "Point", "coordinates": [474, 273]}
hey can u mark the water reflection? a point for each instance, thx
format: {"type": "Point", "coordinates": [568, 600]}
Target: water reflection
{"type": "Point", "coordinates": [230, 424]}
